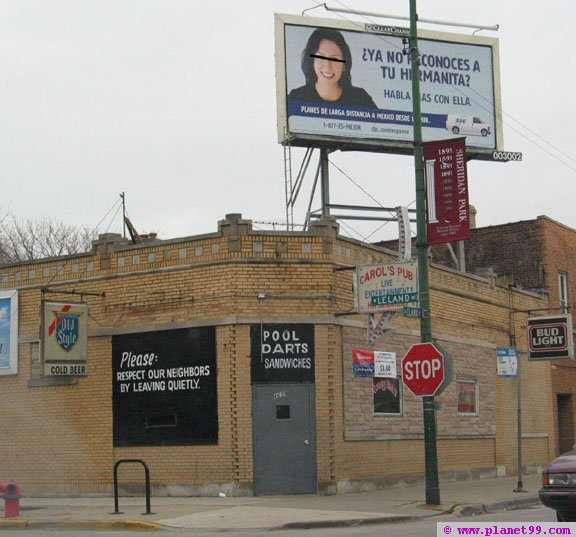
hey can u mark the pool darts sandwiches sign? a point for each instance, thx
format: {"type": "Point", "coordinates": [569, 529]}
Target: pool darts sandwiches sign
{"type": "Point", "coordinates": [64, 339]}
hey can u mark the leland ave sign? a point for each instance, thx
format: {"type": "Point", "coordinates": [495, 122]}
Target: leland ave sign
{"type": "Point", "coordinates": [550, 338]}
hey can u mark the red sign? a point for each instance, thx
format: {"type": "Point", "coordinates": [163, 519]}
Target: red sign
{"type": "Point", "coordinates": [363, 363]}
{"type": "Point", "coordinates": [423, 369]}
{"type": "Point", "coordinates": [447, 208]}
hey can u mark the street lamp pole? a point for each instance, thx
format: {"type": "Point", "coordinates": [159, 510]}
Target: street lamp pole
{"type": "Point", "coordinates": [428, 403]}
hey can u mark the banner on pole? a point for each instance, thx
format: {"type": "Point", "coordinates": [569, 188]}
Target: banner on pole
{"type": "Point", "coordinates": [447, 207]}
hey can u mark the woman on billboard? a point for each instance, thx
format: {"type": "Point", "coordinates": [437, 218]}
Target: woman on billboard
{"type": "Point", "coordinates": [326, 64]}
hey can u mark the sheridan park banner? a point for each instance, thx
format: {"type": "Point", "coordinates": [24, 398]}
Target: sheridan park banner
{"type": "Point", "coordinates": [372, 108]}
{"type": "Point", "coordinates": [447, 207]}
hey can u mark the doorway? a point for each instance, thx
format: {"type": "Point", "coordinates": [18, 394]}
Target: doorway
{"type": "Point", "coordinates": [284, 439]}
{"type": "Point", "coordinates": [565, 422]}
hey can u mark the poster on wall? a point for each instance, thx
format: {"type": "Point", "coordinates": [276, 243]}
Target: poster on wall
{"type": "Point", "coordinates": [362, 363]}
{"type": "Point", "coordinates": [507, 362]}
{"type": "Point", "coordinates": [384, 364]}
{"type": "Point", "coordinates": [387, 395]}
{"type": "Point", "coordinates": [467, 396]}
{"type": "Point", "coordinates": [164, 389]}
{"type": "Point", "coordinates": [64, 339]}
{"type": "Point", "coordinates": [8, 332]}
{"type": "Point", "coordinates": [368, 363]}
{"type": "Point", "coordinates": [282, 353]}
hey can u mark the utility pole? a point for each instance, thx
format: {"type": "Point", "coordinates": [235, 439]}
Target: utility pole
{"type": "Point", "coordinates": [123, 198]}
{"type": "Point", "coordinates": [428, 403]}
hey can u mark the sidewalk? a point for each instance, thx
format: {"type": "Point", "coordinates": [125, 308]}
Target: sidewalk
{"type": "Point", "coordinates": [303, 511]}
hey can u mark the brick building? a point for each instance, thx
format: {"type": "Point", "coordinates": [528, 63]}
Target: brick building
{"type": "Point", "coordinates": [225, 362]}
{"type": "Point", "coordinates": [539, 255]}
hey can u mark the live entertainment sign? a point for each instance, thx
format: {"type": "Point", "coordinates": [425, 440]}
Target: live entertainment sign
{"type": "Point", "coordinates": [447, 208]}
{"type": "Point", "coordinates": [550, 338]}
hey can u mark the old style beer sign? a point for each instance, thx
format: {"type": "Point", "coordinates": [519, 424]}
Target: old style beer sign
{"type": "Point", "coordinates": [65, 339]}
{"type": "Point", "coordinates": [550, 338]}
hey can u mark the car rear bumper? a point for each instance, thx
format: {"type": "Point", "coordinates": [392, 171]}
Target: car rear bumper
{"type": "Point", "coordinates": [562, 500]}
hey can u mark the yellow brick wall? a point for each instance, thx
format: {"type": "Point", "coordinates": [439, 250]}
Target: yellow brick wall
{"type": "Point", "coordinates": [59, 438]}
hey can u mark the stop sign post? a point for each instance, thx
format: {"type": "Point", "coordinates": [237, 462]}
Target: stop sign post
{"type": "Point", "coordinates": [423, 369]}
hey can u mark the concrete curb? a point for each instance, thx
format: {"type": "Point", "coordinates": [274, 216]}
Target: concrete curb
{"type": "Point", "coordinates": [493, 507]}
{"type": "Point", "coordinates": [138, 525]}
{"type": "Point", "coordinates": [352, 522]}
{"type": "Point", "coordinates": [80, 525]}
{"type": "Point", "coordinates": [348, 523]}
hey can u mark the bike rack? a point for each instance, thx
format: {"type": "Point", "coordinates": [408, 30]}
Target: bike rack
{"type": "Point", "coordinates": [147, 473]}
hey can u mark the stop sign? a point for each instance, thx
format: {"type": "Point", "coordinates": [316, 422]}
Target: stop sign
{"type": "Point", "coordinates": [423, 369]}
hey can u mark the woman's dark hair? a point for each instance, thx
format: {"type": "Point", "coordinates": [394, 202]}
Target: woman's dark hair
{"type": "Point", "coordinates": [312, 47]}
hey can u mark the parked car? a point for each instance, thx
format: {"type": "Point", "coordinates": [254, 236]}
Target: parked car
{"type": "Point", "coordinates": [559, 487]}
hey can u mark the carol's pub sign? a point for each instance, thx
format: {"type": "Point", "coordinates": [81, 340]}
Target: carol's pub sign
{"type": "Point", "coordinates": [64, 339]}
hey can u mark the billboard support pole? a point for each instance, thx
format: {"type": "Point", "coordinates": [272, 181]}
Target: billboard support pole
{"type": "Point", "coordinates": [325, 182]}
{"type": "Point", "coordinates": [428, 403]}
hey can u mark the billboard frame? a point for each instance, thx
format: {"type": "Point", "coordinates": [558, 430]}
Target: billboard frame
{"type": "Point", "coordinates": [377, 145]}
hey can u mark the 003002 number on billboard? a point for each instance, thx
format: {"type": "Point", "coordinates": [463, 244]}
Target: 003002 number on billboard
{"type": "Point", "coordinates": [506, 156]}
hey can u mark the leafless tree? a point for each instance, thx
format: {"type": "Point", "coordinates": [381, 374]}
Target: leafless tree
{"type": "Point", "coordinates": [25, 240]}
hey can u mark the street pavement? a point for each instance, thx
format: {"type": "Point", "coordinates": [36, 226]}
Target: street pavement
{"type": "Point", "coordinates": [223, 513]}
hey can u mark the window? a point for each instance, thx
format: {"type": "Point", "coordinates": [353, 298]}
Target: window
{"type": "Point", "coordinates": [387, 396]}
{"type": "Point", "coordinates": [467, 396]}
{"type": "Point", "coordinates": [563, 290]}
{"type": "Point", "coordinates": [282, 412]}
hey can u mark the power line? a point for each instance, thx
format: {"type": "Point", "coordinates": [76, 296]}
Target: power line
{"type": "Point", "coordinates": [489, 110]}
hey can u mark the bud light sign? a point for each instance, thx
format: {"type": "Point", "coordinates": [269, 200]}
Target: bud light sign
{"type": "Point", "coordinates": [550, 338]}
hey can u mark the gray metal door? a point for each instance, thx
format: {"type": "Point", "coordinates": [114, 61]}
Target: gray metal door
{"type": "Point", "coordinates": [284, 439]}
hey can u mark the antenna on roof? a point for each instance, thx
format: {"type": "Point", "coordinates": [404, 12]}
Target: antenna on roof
{"type": "Point", "coordinates": [136, 238]}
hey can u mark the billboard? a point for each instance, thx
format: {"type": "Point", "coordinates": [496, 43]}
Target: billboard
{"type": "Point", "coordinates": [349, 85]}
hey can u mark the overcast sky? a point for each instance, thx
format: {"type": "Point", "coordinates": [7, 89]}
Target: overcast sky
{"type": "Point", "coordinates": [173, 102]}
